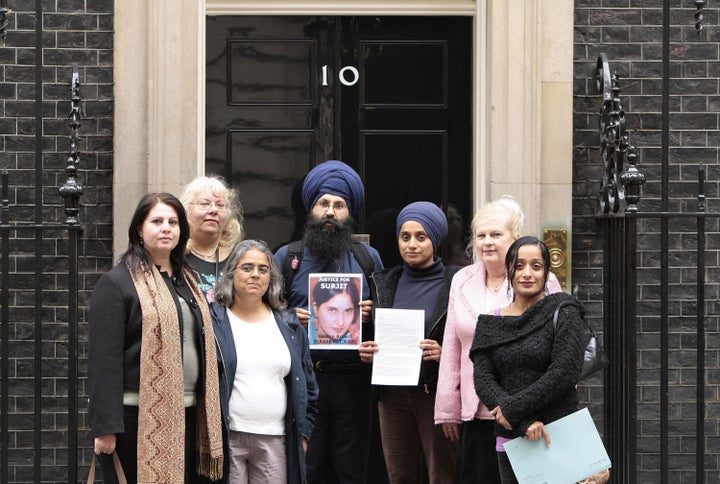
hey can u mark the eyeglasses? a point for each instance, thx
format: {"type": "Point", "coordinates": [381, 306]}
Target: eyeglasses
{"type": "Point", "coordinates": [249, 269]}
{"type": "Point", "coordinates": [325, 205]}
{"type": "Point", "coordinates": [207, 204]}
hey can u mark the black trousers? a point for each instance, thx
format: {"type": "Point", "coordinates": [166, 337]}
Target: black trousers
{"type": "Point", "coordinates": [506, 471]}
{"type": "Point", "coordinates": [338, 448]}
{"type": "Point", "coordinates": [127, 449]}
{"type": "Point", "coordinates": [477, 460]}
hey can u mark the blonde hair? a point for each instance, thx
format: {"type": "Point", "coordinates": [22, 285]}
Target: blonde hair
{"type": "Point", "coordinates": [505, 209]}
{"type": "Point", "coordinates": [233, 231]}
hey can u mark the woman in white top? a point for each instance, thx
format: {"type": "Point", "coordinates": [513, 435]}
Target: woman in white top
{"type": "Point", "coordinates": [268, 392]}
{"type": "Point", "coordinates": [476, 289]}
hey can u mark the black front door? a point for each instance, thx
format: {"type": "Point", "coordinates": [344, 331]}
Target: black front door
{"type": "Point", "coordinates": [390, 96]}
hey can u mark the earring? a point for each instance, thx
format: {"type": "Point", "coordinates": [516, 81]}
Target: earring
{"type": "Point", "coordinates": [142, 242]}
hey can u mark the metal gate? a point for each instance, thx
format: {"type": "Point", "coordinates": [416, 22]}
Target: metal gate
{"type": "Point", "coordinates": [655, 275]}
{"type": "Point", "coordinates": [39, 385]}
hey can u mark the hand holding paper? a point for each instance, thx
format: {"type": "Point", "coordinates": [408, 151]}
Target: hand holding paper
{"type": "Point", "coordinates": [367, 351]}
{"type": "Point", "coordinates": [577, 452]}
{"type": "Point", "coordinates": [431, 350]}
{"type": "Point", "coordinates": [537, 431]}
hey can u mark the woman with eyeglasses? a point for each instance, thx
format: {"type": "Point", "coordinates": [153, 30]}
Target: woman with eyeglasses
{"type": "Point", "coordinates": [268, 392]}
{"type": "Point", "coordinates": [215, 217]}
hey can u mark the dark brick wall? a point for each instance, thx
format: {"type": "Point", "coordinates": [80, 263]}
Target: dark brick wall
{"type": "Point", "coordinates": [73, 31]}
{"type": "Point", "coordinates": [630, 33]}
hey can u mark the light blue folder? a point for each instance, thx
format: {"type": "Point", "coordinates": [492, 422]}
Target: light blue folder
{"type": "Point", "coordinates": [576, 452]}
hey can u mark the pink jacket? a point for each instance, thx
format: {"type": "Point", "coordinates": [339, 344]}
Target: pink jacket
{"type": "Point", "coordinates": [456, 400]}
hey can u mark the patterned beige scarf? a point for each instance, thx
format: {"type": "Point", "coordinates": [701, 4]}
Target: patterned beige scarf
{"type": "Point", "coordinates": [161, 420]}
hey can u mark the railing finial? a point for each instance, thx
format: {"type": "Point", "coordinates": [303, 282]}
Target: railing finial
{"type": "Point", "coordinates": [699, 16]}
{"type": "Point", "coordinates": [618, 189]}
{"type": "Point", "coordinates": [4, 20]}
{"type": "Point", "coordinates": [71, 190]}
{"type": "Point", "coordinates": [632, 180]}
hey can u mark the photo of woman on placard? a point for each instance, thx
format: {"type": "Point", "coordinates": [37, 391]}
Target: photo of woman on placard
{"type": "Point", "coordinates": [334, 311]}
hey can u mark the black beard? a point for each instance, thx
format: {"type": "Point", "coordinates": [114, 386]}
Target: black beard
{"type": "Point", "coordinates": [327, 244]}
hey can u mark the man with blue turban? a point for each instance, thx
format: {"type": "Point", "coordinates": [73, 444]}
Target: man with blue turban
{"type": "Point", "coordinates": [333, 194]}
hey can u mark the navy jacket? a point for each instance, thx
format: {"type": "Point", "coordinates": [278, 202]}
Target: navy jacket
{"type": "Point", "coordinates": [302, 389]}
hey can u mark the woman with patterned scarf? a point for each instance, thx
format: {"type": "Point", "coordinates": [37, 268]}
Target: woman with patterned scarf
{"type": "Point", "coordinates": [152, 366]}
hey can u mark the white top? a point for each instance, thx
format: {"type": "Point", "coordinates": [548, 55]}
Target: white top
{"type": "Point", "coordinates": [259, 398]}
{"type": "Point", "coordinates": [491, 302]}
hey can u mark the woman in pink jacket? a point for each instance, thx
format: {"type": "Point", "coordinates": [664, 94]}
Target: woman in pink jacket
{"type": "Point", "coordinates": [476, 289]}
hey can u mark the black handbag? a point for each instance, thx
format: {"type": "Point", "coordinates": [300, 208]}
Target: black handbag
{"type": "Point", "coordinates": [594, 359]}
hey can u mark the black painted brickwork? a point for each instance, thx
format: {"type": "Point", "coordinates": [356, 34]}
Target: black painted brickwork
{"type": "Point", "coordinates": [630, 33]}
{"type": "Point", "coordinates": [74, 31]}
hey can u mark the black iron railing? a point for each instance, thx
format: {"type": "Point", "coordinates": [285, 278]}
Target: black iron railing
{"type": "Point", "coordinates": [12, 236]}
{"type": "Point", "coordinates": [628, 250]}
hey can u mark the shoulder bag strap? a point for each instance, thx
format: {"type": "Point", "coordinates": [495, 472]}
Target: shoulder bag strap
{"type": "Point", "coordinates": [366, 261]}
{"type": "Point", "coordinates": [569, 302]}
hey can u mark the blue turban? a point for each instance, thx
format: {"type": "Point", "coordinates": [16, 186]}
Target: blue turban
{"type": "Point", "coordinates": [335, 178]}
{"type": "Point", "coordinates": [427, 214]}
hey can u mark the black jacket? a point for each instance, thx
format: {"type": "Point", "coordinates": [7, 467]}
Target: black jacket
{"type": "Point", "coordinates": [526, 367]}
{"type": "Point", "coordinates": [386, 282]}
{"type": "Point", "coordinates": [115, 337]}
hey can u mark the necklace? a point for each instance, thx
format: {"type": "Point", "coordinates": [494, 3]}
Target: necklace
{"type": "Point", "coordinates": [211, 255]}
{"type": "Point", "coordinates": [496, 289]}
